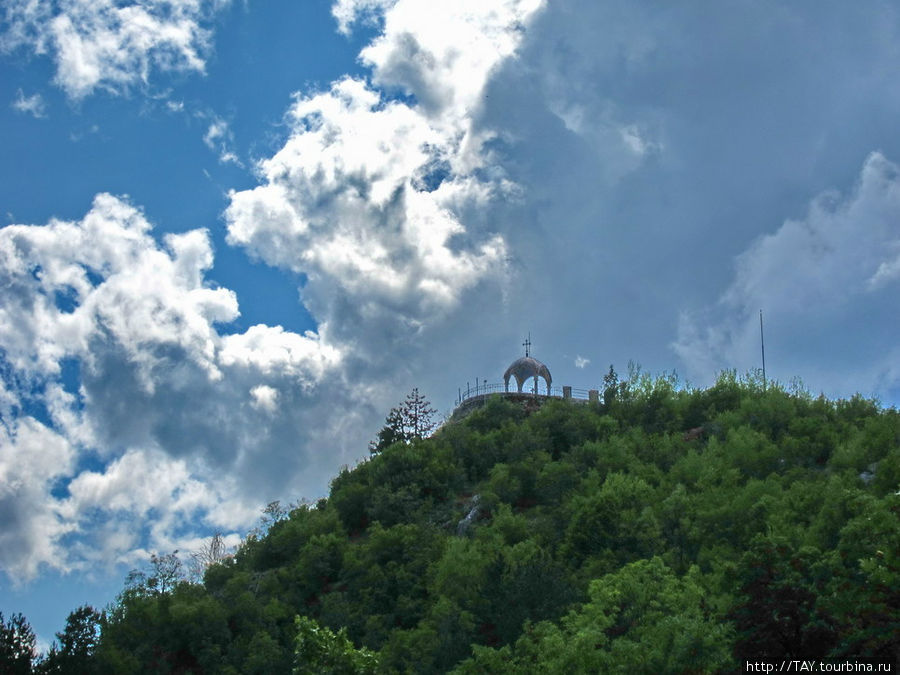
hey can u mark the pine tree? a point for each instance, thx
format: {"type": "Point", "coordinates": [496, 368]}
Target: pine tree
{"type": "Point", "coordinates": [77, 644]}
{"type": "Point", "coordinates": [610, 386]}
{"type": "Point", "coordinates": [17, 645]}
{"type": "Point", "coordinates": [418, 415]}
{"type": "Point", "coordinates": [412, 419]}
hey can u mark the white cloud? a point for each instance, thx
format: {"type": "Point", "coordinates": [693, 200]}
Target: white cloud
{"type": "Point", "coordinates": [444, 53]}
{"type": "Point", "coordinates": [32, 458]}
{"type": "Point", "coordinates": [265, 397]}
{"type": "Point", "coordinates": [581, 362]}
{"type": "Point", "coordinates": [162, 398]}
{"type": "Point", "coordinates": [272, 350]}
{"type": "Point", "coordinates": [146, 487]}
{"type": "Point", "coordinates": [826, 284]}
{"type": "Point", "coordinates": [636, 141]}
{"type": "Point", "coordinates": [220, 140]}
{"type": "Point", "coordinates": [145, 295]}
{"type": "Point", "coordinates": [33, 105]}
{"type": "Point", "coordinates": [348, 12]}
{"type": "Point", "coordinates": [366, 200]}
{"type": "Point", "coordinates": [366, 195]}
{"type": "Point", "coordinates": [112, 45]}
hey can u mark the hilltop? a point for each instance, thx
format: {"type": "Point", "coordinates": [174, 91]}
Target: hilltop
{"type": "Point", "coordinates": [659, 530]}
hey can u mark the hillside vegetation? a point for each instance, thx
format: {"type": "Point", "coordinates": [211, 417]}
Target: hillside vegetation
{"type": "Point", "coordinates": [663, 531]}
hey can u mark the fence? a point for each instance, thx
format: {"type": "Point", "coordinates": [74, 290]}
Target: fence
{"type": "Point", "coordinates": [485, 388]}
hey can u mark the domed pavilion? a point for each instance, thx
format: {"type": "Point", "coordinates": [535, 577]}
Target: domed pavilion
{"type": "Point", "coordinates": [526, 368]}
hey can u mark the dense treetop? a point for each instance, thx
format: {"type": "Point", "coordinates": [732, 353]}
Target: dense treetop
{"type": "Point", "coordinates": [665, 530]}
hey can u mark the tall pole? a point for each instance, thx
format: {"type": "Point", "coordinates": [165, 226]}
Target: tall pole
{"type": "Point", "coordinates": [762, 345]}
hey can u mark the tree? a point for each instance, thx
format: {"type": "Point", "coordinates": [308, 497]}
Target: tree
{"type": "Point", "coordinates": [418, 415]}
{"type": "Point", "coordinates": [413, 419]}
{"type": "Point", "coordinates": [777, 614]}
{"type": "Point", "coordinates": [558, 574]}
{"type": "Point", "coordinates": [16, 645]}
{"type": "Point", "coordinates": [77, 644]}
{"type": "Point", "coordinates": [642, 618]}
{"type": "Point", "coordinates": [165, 573]}
{"type": "Point", "coordinates": [273, 513]}
{"type": "Point", "coordinates": [212, 553]}
{"type": "Point", "coordinates": [317, 649]}
{"type": "Point", "coordinates": [610, 386]}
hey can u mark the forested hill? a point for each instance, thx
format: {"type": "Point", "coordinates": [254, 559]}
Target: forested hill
{"type": "Point", "coordinates": [663, 531]}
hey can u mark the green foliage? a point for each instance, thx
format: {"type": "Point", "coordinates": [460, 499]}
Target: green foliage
{"type": "Point", "coordinates": [776, 615]}
{"type": "Point", "coordinates": [17, 651]}
{"type": "Point", "coordinates": [77, 644]}
{"type": "Point", "coordinates": [319, 651]}
{"type": "Point", "coordinates": [496, 413]}
{"type": "Point", "coordinates": [411, 420]}
{"type": "Point", "coordinates": [663, 530]}
{"type": "Point", "coordinates": [164, 572]}
{"type": "Point", "coordinates": [642, 618]}
{"type": "Point", "coordinates": [613, 524]}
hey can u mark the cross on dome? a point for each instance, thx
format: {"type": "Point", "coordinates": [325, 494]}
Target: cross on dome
{"type": "Point", "coordinates": [526, 368]}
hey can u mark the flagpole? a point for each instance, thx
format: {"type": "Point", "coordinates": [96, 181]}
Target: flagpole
{"type": "Point", "coordinates": [762, 345]}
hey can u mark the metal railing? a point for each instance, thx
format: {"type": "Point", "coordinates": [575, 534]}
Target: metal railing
{"type": "Point", "coordinates": [486, 388]}
{"type": "Point", "coordinates": [480, 389]}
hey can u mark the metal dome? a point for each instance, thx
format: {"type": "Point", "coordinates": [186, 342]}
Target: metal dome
{"type": "Point", "coordinates": [524, 369]}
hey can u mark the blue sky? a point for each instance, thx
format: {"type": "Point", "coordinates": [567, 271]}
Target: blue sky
{"type": "Point", "coordinates": [235, 233]}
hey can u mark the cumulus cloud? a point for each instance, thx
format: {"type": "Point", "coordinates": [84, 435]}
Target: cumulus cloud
{"type": "Point", "coordinates": [161, 393]}
{"type": "Point", "coordinates": [366, 200]}
{"type": "Point", "coordinates": [443, 54]}
{"type": "Point", "coordinates": [153, 491]}
{"type": "Point", "coordinates": [33, 105]}
{"type": "Point", "coordinates": [32, 458]}
{"type": "Point", "coordinates": [366, 195]}
{"type": "Point", "coordinates": [826, 283]}
{"type": "Point", "coordinates": [108, 44]}
{"type": "Point", "coordinates": [349, 12]}
{"type": "Point", "coordinates": [340, 206]}
{"type": "Point", "coordinates": [72, 283]}
{"type": "Point", "coordinates": [57, 516]}
{"type": "Point", "coordinates": [265, 397]}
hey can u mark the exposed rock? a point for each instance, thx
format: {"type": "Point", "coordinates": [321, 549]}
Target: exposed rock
{"type": "Point", "coordinates": [462, 527]}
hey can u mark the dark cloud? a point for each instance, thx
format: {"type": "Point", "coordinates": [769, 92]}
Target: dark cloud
{"type": "Point", "coordinates": [654, 143]}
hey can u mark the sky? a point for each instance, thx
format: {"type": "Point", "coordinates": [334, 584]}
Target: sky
{"type": "Point", "coordinates": [234, 233]}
